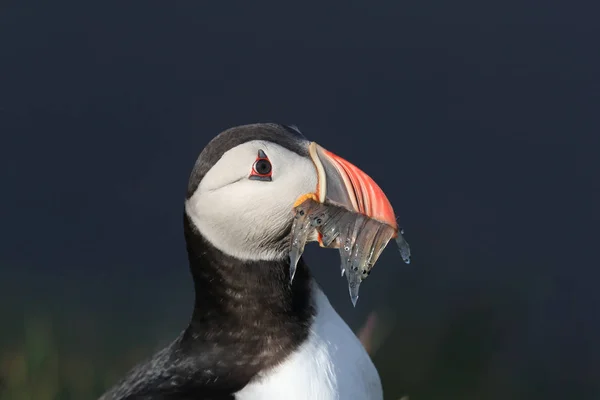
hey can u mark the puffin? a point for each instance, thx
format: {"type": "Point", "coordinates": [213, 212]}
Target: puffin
{"type": "Point", "coordinates": [255, 333]}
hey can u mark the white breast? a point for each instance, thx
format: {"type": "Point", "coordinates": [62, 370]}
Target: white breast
{"type": "Point", "coordinates": [331, 364]}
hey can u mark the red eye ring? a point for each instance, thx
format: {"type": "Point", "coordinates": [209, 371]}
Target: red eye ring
{"type": "Point", "coordinates": [262, 168]}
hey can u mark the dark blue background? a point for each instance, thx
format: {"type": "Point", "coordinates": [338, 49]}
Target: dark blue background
{"type": "Point", "coordinates": [480, 121]}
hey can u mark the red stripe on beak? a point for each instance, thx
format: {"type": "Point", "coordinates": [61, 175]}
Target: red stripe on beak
{"type": "Point", "coordinates": [344, 184]}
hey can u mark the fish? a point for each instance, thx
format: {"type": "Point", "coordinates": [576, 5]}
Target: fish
{"type": "Point", "coordinates": [359, 239]}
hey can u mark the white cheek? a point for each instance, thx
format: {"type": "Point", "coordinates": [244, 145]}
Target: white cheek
{"type": "Point", "coordinates": [237, 217]}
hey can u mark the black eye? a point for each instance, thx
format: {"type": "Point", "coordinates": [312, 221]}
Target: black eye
{"type": "Point", "coordinates": [262, 167]}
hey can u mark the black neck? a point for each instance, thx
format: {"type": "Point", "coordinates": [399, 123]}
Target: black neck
{"type": "Point", "coordinates": [247, 312]}
{"type": "Point", "coordinates": [247, 318]}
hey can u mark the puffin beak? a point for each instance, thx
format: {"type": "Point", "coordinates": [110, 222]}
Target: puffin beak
{"type": "Point", "coordinates": [343, 184]}
{"type": "Point", "coordinates": [348, 211]}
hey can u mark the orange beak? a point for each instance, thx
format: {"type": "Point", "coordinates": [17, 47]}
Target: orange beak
{"type": "Point", "coordinates": [343, 184]}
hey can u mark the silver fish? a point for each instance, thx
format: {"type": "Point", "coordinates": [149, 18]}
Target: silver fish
{"type": "Point", "coordinates": [359, 239]}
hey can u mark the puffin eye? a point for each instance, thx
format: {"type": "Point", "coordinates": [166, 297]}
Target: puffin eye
{"type": "Point", "coordinates": [262, 169]}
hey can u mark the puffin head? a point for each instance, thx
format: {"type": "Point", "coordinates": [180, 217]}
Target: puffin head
{"type": "Point", "coordinates": [248, 179]}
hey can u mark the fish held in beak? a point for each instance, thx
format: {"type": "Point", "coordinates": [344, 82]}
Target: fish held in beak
{"type": "Point", "coordinates": [348, 211]}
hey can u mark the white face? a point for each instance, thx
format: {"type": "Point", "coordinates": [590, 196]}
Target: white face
{"type": "Point", "coordinates": [239, 215]}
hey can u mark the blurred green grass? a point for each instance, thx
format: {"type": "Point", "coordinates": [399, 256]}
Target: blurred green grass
{"type": "Point", "coordinates": [39, 367]}
{"type": "Point", "coordinates": [72, 336]}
